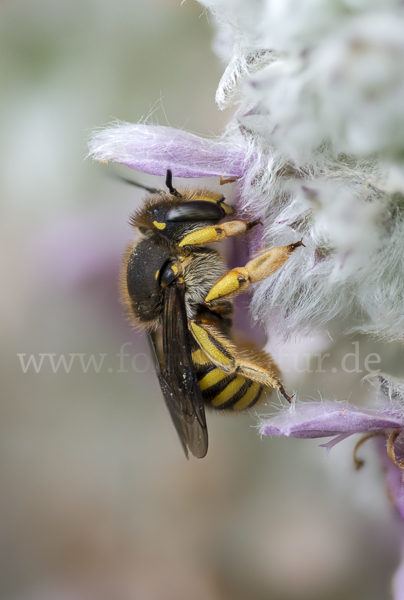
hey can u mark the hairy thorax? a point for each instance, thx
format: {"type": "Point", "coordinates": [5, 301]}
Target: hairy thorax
{"type": "Point", "coordinates": [201, 270]}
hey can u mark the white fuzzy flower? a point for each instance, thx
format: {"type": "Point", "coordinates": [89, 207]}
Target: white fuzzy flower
{"type": "Point", "coordinates": [320, 87]}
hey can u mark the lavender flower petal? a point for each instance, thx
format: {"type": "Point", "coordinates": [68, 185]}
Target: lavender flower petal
{"type": "Point", "coordinates": [323, 419]}
{"type": "Point", "coordinates": [336, 440]}
{"type": "Point", "coordinates": [154, 149]}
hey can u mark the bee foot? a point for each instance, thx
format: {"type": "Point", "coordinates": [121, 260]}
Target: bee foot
{"type": "Point", "coordinates": [285, 395]}
{"type": "Point", "coordinates": [293, 247]}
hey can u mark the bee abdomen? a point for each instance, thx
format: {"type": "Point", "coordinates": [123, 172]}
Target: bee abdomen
{"type": "Point", "coordinates": [228, 391]}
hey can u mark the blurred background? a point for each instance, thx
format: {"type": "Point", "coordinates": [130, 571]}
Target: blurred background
{"type": "Point", "coordinates": [97, 500]}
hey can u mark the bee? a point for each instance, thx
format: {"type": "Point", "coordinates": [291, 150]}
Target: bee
{"type": "Point", "coordinates": [180, 292]}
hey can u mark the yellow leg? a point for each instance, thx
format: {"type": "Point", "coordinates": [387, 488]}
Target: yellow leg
{"type": "Point", "coordinates": [259, 268]}
{"type": "Point", "coordinates": [254, 365]}
{"type": "Point", "coordinates": [217, 233]}
{"type": "Point", "coordinates": [214, 344]}
{"type": "Point", "coordinates": [262, 376]}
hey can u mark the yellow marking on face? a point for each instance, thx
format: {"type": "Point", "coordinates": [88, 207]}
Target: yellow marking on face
{"type": "Point", "coordinates": [201, 236]}
{"type": "Point", "coordinates": [159, 225]}
{"type": "Point", "coordinates": [174, 269]}
{"type": "Point", "coordinates": [212, 378]}
{"type": "Point", "coordinates": [229, 391]}
{"type": "Point", "coordinates": [199, 357]}
{"type": "Point", "coordinates": [248, 397]}
{"type": "Point", "coordinates": [157, 275]}
{"type": "Point", "coordinates": [226, 285]}
{"type": "Point", "coordinates": [208, 346]}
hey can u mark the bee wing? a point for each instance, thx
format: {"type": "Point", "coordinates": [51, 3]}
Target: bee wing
{"type": "Point", "coordinates": [177, 376]}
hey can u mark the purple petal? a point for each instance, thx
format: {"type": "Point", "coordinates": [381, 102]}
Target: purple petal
{"type": "Point", "coordinates": [154, 149]}
{"type": "Point", "coordinates": [324, 419]}
{"type": "Point", "coordinates": [330, 445]}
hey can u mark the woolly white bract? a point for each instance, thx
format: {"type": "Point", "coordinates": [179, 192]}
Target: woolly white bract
{"type": "Point", "coordinates": [320, 87]}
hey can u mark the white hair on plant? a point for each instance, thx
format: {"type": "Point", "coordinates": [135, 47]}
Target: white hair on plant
{"type": "Point", "coordinates": [320, 85]}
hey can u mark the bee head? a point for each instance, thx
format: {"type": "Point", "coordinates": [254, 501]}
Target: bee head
{"type": "Point", "coordinates": [168, 213]}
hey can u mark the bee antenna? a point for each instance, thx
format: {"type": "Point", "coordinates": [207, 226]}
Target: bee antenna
{"type": "Point", "coordinates": [139, 185]}
{"type": "Point", "coordinates": [169, 183]}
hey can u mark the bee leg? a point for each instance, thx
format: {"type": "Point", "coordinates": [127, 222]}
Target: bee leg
{"type": "Point", "coordinates": [262, 375]}
{"type": "Point", "coordinates": [259, 268]}
{"type": "Point", "coordinates": [218, 348]}
{"type": "Point", "coordinates": [255, 365]}
{"type": "Point", "coordinates": [223, 308]}
{"type": "Point", "coordinates": [217, 233]}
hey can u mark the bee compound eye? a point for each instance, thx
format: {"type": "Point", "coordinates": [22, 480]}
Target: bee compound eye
{"type": "Point", "coordinates": [196, 210]}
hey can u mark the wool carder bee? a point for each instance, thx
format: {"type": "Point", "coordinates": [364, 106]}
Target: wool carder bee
{"type": "Point", "coordinates": [180, 292]}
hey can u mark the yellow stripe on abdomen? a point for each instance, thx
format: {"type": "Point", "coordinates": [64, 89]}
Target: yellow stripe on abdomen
{"type": "Point", "coordinates": [229, 391]}
{"type": "Point", "coordinates": [248, 397]}
{"type": "Point", "coordinates": [212, 378]}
